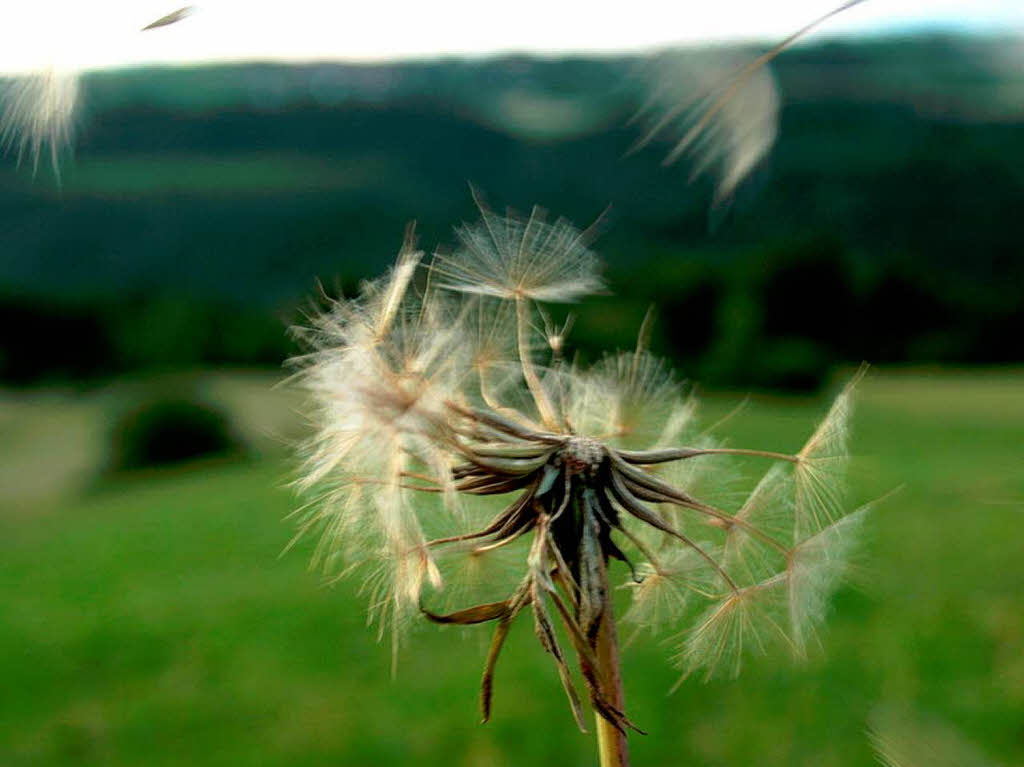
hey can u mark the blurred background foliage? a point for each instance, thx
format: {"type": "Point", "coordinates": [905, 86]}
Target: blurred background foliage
{"type": "Point", "coordinates": [201, 203]}
{"type": "Point", "coordinates": [144, 304]}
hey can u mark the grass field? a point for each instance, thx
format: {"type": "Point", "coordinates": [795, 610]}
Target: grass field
{"type": "Point", "coordinates": [150, 620]}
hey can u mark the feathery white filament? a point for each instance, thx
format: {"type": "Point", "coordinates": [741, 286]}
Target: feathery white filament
{"type": "Point", "coordinates": [38, 114]}
{"type": "Point", "coordinates": [506, 257]}
{"type": "Point", "coordinates": [728, 126]}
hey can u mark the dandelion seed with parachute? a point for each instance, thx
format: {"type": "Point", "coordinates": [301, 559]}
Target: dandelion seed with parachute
{"type": "Point", "coordinates": [38, 108]}
{"type": "Point", "coordinates": [720, 108]}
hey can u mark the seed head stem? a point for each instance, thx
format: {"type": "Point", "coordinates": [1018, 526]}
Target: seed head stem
{"type": "Point", "coordinates": [611, 741]}
{"type": "Point", "coordinates": [540, 397]}
{"type": "Point", "coordinates": [665, 455]}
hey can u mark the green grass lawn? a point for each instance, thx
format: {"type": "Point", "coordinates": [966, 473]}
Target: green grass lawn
{"type": "Point", "coordinates": [150, 621]}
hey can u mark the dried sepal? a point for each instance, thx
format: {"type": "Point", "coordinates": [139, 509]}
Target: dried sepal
{"type": "Point", "coordinates": [546, 634]}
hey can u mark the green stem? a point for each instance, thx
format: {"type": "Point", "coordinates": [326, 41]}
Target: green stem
{"type": "Point", "coordinates": [611, 742]}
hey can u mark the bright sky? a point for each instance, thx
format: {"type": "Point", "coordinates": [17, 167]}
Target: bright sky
{"type": "Point", "coordinates": [104, 33]}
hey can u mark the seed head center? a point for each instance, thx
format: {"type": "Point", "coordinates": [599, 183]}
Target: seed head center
{"type": "Point", "coordinates": [583, 455]}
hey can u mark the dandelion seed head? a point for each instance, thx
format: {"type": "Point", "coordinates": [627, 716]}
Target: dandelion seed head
{"type": "Point", "coordinates": [429, 396]}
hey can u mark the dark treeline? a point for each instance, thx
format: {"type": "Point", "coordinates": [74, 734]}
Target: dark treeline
{"type": "Point", "coordinates": [202, 205]}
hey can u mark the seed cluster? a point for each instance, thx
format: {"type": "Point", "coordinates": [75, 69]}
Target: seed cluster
{"type": "Point", "coordinates": [431, 387]}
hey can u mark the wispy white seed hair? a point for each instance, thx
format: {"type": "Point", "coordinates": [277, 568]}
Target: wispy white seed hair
{"type": "Point", "coordinates": [679, 423]}
{"type": "Point", "coordinates": [510, 257]}
{"type": "Point", "coordinates": [740, 136]}
{"type": "Point", "coordinates": [906, 739]}
{"type": "Point", "coordinates": [725, 114]}
{"type": "Point", "coordinates": [785, 556]}
{"type": "Point", "coordinates": [626, 398]}
{"type": "Point", "coordinates": [814, 569]}
{"type": "Point", "coordinates": [663, 590]}
{"type": "Point", "coordinates": [37, 115]}
{"type": "Point", "coordinates": [726, 119]}
{"type": "Point", "coordinates": [473, 574]}
{"type": "Point", "coordinates": [491, 344]}
{"type": "Point", "coordinates": [380, 370]}
{"type": "Point", "coordinates": [38, 109]}
{"type": "Point", "coordinates": [820, 472]}
{"type": "Point", "coordinates": [769, 509]}
{"type": "Point", "coordinates": [743, 622]}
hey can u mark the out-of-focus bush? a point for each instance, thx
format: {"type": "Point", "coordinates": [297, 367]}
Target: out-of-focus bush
{"type": "Point", "coordinates": [883, 226]}
{"type": "Point", "coordinates": [168, 429]}
{"type": "Point", "coordinates": [87, 339]}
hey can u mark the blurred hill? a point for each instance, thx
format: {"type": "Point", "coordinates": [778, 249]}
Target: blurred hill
{"type": "Point", "coordinates": [202, 204]}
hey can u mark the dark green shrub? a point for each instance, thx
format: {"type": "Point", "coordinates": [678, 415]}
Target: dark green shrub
{"type": "Point", "coordinates": [169, 430]}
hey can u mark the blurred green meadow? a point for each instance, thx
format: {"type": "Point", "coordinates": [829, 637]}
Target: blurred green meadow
{"type": "Point", "coordinates": [148, 618]}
